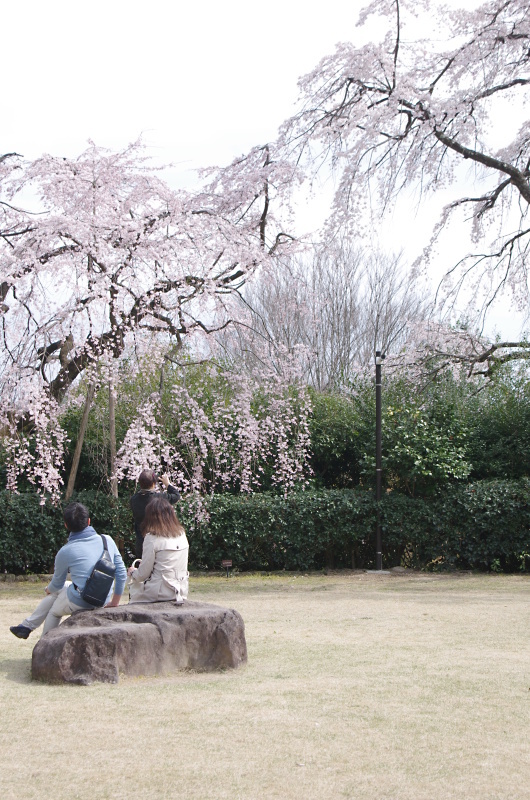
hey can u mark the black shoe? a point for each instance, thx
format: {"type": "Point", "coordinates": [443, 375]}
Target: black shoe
{"type": "Point", "coordinates": [20, 631]}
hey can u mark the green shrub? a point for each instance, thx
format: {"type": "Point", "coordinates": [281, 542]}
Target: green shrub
{"type": "Point", "coordinates": [337, 432]}
{"type": "Point", "coordinates": [483, 525]}
{"type": "Point", "coordinates": [306, 530]}
{"type": "Point", "coordinates": [30, 534]}
{"type": "Point", "coordinates": [499, 430]}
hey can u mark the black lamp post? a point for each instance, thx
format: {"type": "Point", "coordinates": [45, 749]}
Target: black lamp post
{"type": "Point", "coordinates": [378, 469]}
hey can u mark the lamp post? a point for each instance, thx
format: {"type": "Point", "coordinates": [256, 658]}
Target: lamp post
{"type": "Point", "coordinates": [378, 469]}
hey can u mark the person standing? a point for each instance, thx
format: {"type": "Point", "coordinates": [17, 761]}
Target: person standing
{"type": "Point", "coordinates": [148, 483]}
{"type": "Point", "coordinates": [78, 557]}
{"type": "Point", "coordinates": [163, 571]}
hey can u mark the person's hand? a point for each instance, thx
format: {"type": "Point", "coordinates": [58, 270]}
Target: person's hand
{"type": "Point", "coordinates": [114, 602]}
{"type": "Point", "coordinates": [165, 480]}
{"type": "Point", "coordinates": [47, 591]}
{"type": "Point", "coordinates": [130, 570]}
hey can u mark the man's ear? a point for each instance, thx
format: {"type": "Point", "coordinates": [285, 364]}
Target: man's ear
{"type": "Point", "coordinates": [88, 523]}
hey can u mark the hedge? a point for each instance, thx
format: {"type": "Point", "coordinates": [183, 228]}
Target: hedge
{"type": "Point", "coordinates": [31, 534]}
{"type": "Point", "coordinates": [484, 525]}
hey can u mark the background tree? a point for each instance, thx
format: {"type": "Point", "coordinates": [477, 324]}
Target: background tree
{"type": "Point", "coordinates": [425, 435]}
{"type": "Point", "coordinates": [498, 424]}
{"type": "Point", "coordinates": [332, 308]}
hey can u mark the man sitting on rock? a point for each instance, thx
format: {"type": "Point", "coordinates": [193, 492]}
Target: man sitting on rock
{"type": "Point", "coordinates": [78, 556]}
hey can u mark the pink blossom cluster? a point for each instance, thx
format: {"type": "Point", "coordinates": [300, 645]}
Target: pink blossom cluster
{"type": "Point", "coordinates": [143, 445]}
{"type": "Point", "coordinates": [225, 430]}
{"type": "Point", "coordinates": [35, 449]}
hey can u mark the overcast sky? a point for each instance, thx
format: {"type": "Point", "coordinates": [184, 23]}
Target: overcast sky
{"type": "Point", "coordinates": [202, 82]}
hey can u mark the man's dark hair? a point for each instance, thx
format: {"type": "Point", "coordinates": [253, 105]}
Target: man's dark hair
{"type": "Point", "coordinates": [76, 517]}
{"type": "Point", "coordinates": [147, 479]}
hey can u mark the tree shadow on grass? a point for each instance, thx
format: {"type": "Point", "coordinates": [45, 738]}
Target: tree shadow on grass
{"type": "Point", "coordinates": [17, 670]}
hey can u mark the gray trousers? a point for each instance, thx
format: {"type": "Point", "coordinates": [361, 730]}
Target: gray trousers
{"type": "Point", "coordinates": [51, 610]}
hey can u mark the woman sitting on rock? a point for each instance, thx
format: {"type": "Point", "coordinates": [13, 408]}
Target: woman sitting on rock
{"type": "Point", "coordinates": [163, 570]}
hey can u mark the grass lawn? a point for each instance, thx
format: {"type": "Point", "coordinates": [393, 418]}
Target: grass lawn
{"type": "Point", "coordinates": [362, 686]}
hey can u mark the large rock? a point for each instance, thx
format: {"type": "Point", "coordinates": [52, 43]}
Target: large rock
{"type": "Point", "coordinates": [140, 639]}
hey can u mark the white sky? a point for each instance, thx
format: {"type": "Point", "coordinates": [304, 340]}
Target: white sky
{"type": "Point", "coordinates": [201, 82]}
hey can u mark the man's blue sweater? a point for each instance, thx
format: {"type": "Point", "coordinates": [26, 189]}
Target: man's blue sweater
{"type": "Point", "coordinates": [79, 556]}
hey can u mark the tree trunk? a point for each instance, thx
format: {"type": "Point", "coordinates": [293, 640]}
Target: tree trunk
{"type": "Point", "coordinates": [79, 443]}
{"type": "Point", "coordinates": [112, 434]}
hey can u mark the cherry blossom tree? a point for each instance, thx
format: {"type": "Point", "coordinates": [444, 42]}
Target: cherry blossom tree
{"type": "Point", "coordinates": [111, 257]}
{"type": "Point", "coordinates": [409, 111]}
{"type": "Point", "coordinates": [116, 251]}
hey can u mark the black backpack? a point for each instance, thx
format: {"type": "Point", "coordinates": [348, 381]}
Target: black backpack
{"type": "Point", "coordinates": [100, 582]}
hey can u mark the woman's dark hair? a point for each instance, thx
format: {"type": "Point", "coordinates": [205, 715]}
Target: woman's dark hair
{"type": "Point", "coordinates": [76, 517]}
{"type": "Point", "coordinates": [147, 479]}
{"type": "Point", "coordinates": [160, 519]}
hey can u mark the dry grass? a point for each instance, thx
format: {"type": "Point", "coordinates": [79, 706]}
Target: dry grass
{"type": "Point", "coordinates": [358, 686]}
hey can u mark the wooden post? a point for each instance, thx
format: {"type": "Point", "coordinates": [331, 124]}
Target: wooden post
{"type": "Point", "coordinates": [79, 443]}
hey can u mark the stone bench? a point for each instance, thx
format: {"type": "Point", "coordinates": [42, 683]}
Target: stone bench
{"type": "Point", "coordinates": [140, 639]}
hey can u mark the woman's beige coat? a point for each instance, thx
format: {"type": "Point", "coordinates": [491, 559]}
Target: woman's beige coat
{"type": "Point", "coordinates": [163, 570]}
